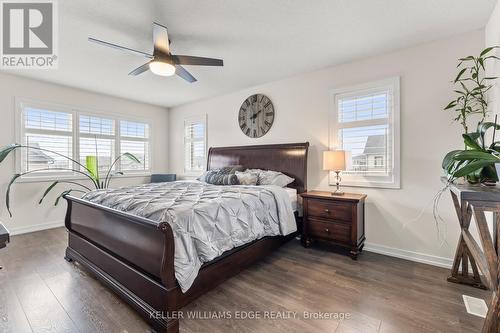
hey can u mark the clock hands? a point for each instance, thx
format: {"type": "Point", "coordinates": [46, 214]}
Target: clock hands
{"type": "Point", "coordinates": [255, 115]}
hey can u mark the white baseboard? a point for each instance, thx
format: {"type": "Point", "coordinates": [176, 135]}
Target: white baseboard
{"type": "Point", "coordinates": [409, 255]}
{"type": "Point", "coordinates": [37, 227]}
{"type": "Point", "coordinates": [376, 248]}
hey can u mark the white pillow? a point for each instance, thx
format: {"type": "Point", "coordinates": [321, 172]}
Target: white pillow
{"type": "Point", "coordinates": [270, 177]}
{"type": "Point", "coordinates": [247, 178]}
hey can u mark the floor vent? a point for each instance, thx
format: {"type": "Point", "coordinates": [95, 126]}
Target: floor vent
{"type": "Point", "coordinates": [475, 306]}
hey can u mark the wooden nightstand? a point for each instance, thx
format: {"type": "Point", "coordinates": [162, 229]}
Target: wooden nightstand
{"type": "Point", "coordinates": [338, 219]}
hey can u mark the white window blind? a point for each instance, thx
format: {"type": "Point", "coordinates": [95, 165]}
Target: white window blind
{"type": "Point", "coordinates": [97, 138]}
{"type": "Point", "coordinates": [67, 131]}
{"type": "Point", "coordinates": [46, 129]}
{"type": "Point", "coordinates": [194, 144]}
{"type": "Point", "coordinates": [366, 125]}
{"type": "Point", "coordinates": [134, 139]}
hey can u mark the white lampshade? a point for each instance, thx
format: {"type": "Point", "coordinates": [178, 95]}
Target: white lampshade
{"type": "Point", "coordinates": [334, 160]}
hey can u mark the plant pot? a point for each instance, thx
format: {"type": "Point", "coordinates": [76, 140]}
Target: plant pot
{"type": "Point", "coordinates": [497, 168]}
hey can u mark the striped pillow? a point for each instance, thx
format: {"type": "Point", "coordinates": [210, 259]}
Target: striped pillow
{"type": "Point", "coordinates": [216, 177]}
{"type": "Point", "coordinates": [222, 176]}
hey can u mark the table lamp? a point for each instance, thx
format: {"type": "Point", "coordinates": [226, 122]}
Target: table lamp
{"type": "Point", "coordinates": [334, 160]}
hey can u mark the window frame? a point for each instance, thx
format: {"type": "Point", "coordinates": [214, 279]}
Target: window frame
{"type": "Point", "coordinates": [76, 112]}
{"type": "Point", "coordinates": [203, 119]}
{"type": "Point", "coordinates": [393, 180]}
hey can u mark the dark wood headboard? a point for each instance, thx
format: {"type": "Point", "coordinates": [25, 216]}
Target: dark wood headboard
{"type": "Point", "coordinates": [289, 158]}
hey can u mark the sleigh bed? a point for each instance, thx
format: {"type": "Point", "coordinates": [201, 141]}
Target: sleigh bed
{"type": "Point", "coordinates": [134, 256]}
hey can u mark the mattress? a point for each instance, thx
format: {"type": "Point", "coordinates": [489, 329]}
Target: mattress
{"type": "Point", "coordinates": [292, 194]}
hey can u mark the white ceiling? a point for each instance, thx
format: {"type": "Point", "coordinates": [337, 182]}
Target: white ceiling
{"type": "Point", "coordinates": [259, 40]}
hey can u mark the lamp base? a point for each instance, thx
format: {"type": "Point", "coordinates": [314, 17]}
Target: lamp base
{"type": "Point", "coordinates": [337, 184]}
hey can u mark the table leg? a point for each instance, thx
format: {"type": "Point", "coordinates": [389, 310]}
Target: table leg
{"type": "Point", "coordinates": [460, 269]}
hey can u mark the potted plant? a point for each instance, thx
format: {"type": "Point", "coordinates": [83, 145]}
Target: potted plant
{"type": "Point", "coordinates": [89, 171]}
{"type": "Point", "coordinates": [476, 163]}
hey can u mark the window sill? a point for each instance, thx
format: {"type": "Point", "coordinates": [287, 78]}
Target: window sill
{"type": "Point", "coordinates": [42, 179]}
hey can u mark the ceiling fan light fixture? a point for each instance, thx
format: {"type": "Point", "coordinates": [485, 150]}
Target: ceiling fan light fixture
{"type": "Point", "coordinates": [162, 68]}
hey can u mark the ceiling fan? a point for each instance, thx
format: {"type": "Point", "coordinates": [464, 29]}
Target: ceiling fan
{"type": "Point", "coordinates": [163, 62]}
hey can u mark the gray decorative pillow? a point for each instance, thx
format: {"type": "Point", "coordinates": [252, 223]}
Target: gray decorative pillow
{"type": "Point", "coordinates": [247, 178]}
{"type": "Point", "coordinates": [222, 176]}
{"type": "Point", "coordinates": [216, 177]}
{"type": "Point", "coordinates": [225, 170]}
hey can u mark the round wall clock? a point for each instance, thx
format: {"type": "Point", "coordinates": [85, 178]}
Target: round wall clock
{"type": "Point", "coordinates": [256, 116]}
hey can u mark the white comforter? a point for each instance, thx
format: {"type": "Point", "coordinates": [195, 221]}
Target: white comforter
{"type": "Point", "coordinates": [206, 220]}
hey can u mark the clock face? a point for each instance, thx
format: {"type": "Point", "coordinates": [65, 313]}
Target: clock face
{"type": "Point", "coordinates": [256, 116]}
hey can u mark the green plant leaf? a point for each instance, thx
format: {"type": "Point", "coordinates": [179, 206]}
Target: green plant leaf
{"type": "Point", "coordinates": [452, 104]}
{"type": "Point", "coordinates": [7, 194]}
{"type": "Point", "coordinates": [47, 191]}
{"type": "Point", "coordinates": [65, 193]}
{"type": "Point", "coordinates": [448, 159]}
{"type": "Point", "coordinates": [470, 168]}
{"type": "Point", "coordinates": [465, 87]}
{"type": "Point", "coordinates": [481, 62]}
{"type": "Point", "coordinates": [132, 157]}
{"type": "Point", "coordinates": [492, 57]}
{"type": "Point", "coordinates": [470, 140]}
{"type": "Point", "coordinates": [475, 155]}
{"type": "Point", "coordinates": [467, 58]}
{"type": "Point", "coordinates": [92, 167]}
{"type": "Point", "coordinates": [62, 195]}
{"type": "Point", "coordinates": [482, 128]}
{"type": "Point", "coordinates": [460, 74]}
{"type": "Point", "coordinates": [5, 151]}
{"type": "Point", "coordinates": [487, 50]}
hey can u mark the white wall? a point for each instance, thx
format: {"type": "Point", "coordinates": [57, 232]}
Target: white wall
{"type": "Point", "coordinates": [28, 215]}
{"type": "Point", "coordinates": [393, 219]}
{"type": "Point", "coordinates": [492, 38]}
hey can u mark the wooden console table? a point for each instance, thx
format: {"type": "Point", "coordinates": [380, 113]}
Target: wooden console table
{"type": "Point", "coordinates": [475, 200]}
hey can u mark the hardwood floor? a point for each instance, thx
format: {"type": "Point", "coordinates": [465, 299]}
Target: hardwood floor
{"type": "Point", "coordinates": [41, 292]}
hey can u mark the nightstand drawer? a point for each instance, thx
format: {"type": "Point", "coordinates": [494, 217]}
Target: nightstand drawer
{"type": "Point", "coordinates": [329, 210]}
{"type": "Point", "coordinates": [329, 230]}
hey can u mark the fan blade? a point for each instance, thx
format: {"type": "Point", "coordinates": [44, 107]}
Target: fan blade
{"type": "Point", "coordinates": [121, 48]}
{"type": "Point", "coordinates": [182, 72]}
{"type": "Point", "coordinates": [140, 69]}
{"type": "Point", "coordinates": [160, 38]}
{"type": "Point", "coordinates": [200, 61]}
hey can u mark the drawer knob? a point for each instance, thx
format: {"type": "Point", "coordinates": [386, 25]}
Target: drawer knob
{"type": "Point", "coordinates": [327, 230]}
{"type": "Point", "coordinates": [327, 211]}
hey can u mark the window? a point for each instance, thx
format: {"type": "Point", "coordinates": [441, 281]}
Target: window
{"type": "Point", "coordinates": [194, 144]}
{"type": "Point", "coordinates": [134, 138]}
{"type": "Point", "coordinates": [365, 123]}
{"type": "Point", "coordinates": [77, 134]}
{"type": "Point", "coordinates": [46, 129]}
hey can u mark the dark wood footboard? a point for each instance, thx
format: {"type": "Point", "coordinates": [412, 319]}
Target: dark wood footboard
{"type": "Point", "coordinates": [135, 258]}
{"type": "Point", "coordinates": [130, 254]}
